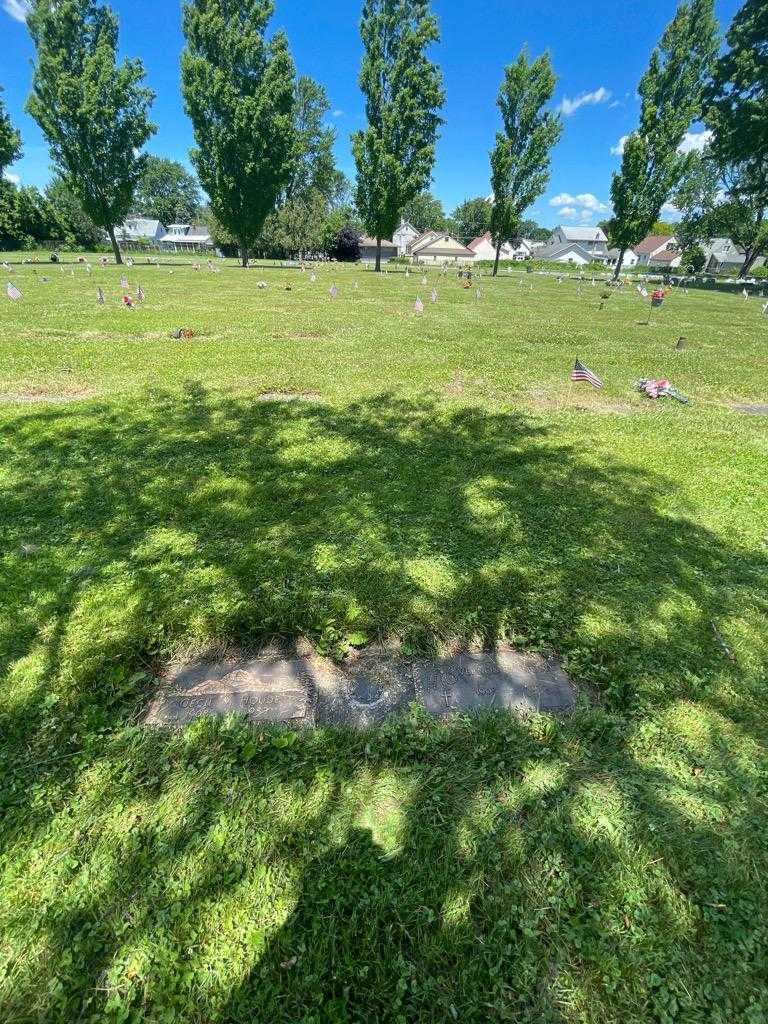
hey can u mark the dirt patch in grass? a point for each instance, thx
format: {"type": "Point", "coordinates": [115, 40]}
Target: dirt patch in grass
{"type": "Point", "coordinates": [46, 393]}
{"type": "Point", "coordinates": [752, 408]}
{"type": "Point", "coordinates": [281, 395]}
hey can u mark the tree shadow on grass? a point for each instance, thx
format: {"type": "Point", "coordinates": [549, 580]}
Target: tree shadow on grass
{"type": "Point", "coordinates": [497, 869]}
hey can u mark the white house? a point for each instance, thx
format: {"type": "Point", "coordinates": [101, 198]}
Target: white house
{"type": "Point", "coordinates": [368, 249]}
{"type": "Point", "coordinates": [593, 240]}
{"type": "Point", "coordinates": [439, 247]}
{"type": "Point", "coordinates": [565, 252]}
{"type": "Point", "coordinates": [140, 229]}
{"type": "Point", "coordinates": [658, 251]}
{"type": "Point", "coordinates": [484, 249]}
{"type": "Point", "coordinates": [404, 235]}
{"type": "Point", "coordinates": [187, 238]}
{"type": "Point", "coordinates": [630, 258]}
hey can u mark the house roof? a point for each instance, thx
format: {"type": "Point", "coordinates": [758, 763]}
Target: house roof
{"type": "Point", "coordinates": [556, 249]}
{"type": "Point", "coordinates": [653, 242]}
{"type": "Point", "coordinates": [576, 233]}
{"type": "Point", "coordinates": [407, 224]}
{"type": "Point", "coordinates": [506, 247]}
{"type": "Point", "coordinates": [423, 239]}
{"type": "Point", "coordinates": [666, 256]}
{"type": "Point", "coordinates": [368, 241]}
{"type": "Point", "coordinates": [441, 243]}
{"type": "Point", "coordinates": [476, 242]}
{"type": "Point", "coordinates": [140, 226]}
{"type": "Point", "coordinates": [724, 250]}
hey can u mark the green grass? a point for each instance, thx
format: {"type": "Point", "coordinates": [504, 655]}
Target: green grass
{"type": "Point", "coordinates": [447, 486]}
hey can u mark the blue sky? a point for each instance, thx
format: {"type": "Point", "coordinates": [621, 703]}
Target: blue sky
{"type": "Point", "coordinates": [599, 50]}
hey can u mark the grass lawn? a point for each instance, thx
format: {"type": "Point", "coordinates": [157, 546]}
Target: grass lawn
{"type": "Point", "coordinates": [445, 485]}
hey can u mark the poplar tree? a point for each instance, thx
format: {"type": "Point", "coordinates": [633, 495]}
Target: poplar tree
{"type": "Point", "coordinates": [403, 93]}
{"type": "Point", "coordinates": [671, 98]}
{"type": "Point", "coordinates": [521, 157]}
{"type": "Point", "coordinates": [10, 139]}
{"type": "Point", "coordinates": [239, 90]}
{"type": "Point", "coordinates": [737, 98]}
{"type": "Point", "coordinates": [93, 111]}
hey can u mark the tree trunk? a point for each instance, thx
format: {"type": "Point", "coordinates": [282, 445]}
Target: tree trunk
{"type": "Point", "coordinates": [377, 268]}
{"type": "Point", "coordinates": [496, 260]}
{"type": "Point", "coordinates": [115, 246]}
{"type": "Point", "coordinates": [619, 262]}
{"type": "Point", "coordinates": [750, 255]}
{"type": "Point", "coordinates": [243, 254]}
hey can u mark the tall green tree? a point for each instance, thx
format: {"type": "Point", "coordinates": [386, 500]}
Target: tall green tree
{"type": "Point", "coordinates": [239, 91]}
{"type": "Point", "coordinates": [521, 157]}
{"type": "Point", "coordinates": [10, 139]}
{"type": "Point", "coordinates": [425, 212]}
{"type": "Point", "coordinates": [471, 218]}
{"type": "Point", "coordinates": [314, 168]}
{"type": "Point", "coordinates": [403, 93]}
{"type": "Point", "coordinates": [76, 229]}
{"type": "Point", "coordinates": [724, 201]}
{"type": "Point", "coordinates": [670, 99]}
{"type": "Point", "coordinates": [167, 191]}
{"type": "Point", "coordinates": [736, 100]}
{"type": "Point", "coordinates": [93, 111]}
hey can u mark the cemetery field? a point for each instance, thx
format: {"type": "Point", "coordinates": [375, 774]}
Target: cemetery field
{"type": "Point", "coordinates": [346, 470]}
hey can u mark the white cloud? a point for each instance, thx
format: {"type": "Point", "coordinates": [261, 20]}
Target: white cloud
{"type": "Point", "coordinates": [694, 141]}
{"type": "Point", "coordinates": [15, 179]}
{"type": "Point", "coordinates": [618, 149]}
{"type": "Point", "coordinates": [17, 9]}
{"type": "Point", "coordinates": [670, 210]}
{"type": "Point", "coordinates": [586, 200]}
{"type": "Point", "coordinates": [584, 206]}
{"type": "Point", "coordinates": [337, 113]}
{"type": "Point", "coordinates": [570, 106]}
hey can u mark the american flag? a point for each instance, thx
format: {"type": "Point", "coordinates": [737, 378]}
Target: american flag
{"type": "Point", "coordinates": [12, 291]}
{"type": "Point", "coordinates": [418, 305]}
{"type": "Point", "coordinates": [140, 293]}
{"type": "Point", "coordinates": [333, 291]}
{"type": "Point", "coordinates": [100, 297]}
{"type": "Point", "coordinates": [582, 372]}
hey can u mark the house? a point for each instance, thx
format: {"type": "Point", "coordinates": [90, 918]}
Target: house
{"type": "Point", "coordinates": [484, 249]}
{"type": "Point", "coordinates": [140, 229]}
{"type": "Point", "coordinates": [667, 259]}
{"type": "Point", "coordinates": [725, 257]}
{"type": "Point", "coordinates": [655, 250]}
{"type": "Point", "coordinates": [187, 238]}
{"type": "Point", "coordinates": [404, 235]}
{"type": "Point", "coordinates": [368, 249]}
{"type": "Point", "coordinates": [630, 258]}
{"type": "Point", "coordinates": [439, 247]}
{"type": "Point", "coordinates": [565, 252]}
{"type": "Point", "coordinates": [592, 239]}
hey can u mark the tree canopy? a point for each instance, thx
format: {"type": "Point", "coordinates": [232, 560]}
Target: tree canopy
{"type": "Point", "coordinates": [521, 157]}
{"type": "Point", "coordinates": [736, 100]}
{"type": "Point", "coordinates": [425, 212]}
{"type": "Point", "coordinates": [167, 191]}
{"type": "Point", "coordinates": [239, 91]}
{"type": "Point", "coordinates": [471, 218]}
{"type": "Point", "coordinates": [314, 166]}
{"type": "Point", "coordinates": [670, 99]}
{"type": "Point", "coordinates": [403, 93]}
{"type": "Point", "coordinates": [93, 111]}
{"type": "Point", "coordinates": [10, 138]}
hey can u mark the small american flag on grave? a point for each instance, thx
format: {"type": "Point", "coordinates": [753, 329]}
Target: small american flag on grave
{"type": "Point", "coordinates": [581, 372]}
